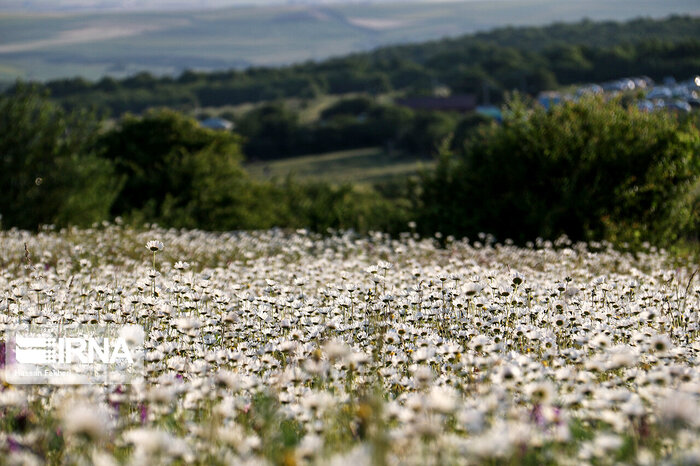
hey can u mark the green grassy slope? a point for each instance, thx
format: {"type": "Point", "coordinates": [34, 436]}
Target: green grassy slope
{"type": "Point", "coordinates": [368, 165]}
{"type": "Point", "coordinates": [91, 45]}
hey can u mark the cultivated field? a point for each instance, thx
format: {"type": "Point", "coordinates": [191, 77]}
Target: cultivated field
{"type": "Point", "coordinates": [46, 46]}
{"type": "Point", "coordinates": [289, 348]}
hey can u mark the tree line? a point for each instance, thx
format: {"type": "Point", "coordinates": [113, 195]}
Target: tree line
{"type": "Point", "coordinates": [602, 171]}
{"type": "Point", "coordinates": [274, 130]}
{"type": "Point", "coordinates": [60, 167]}
{"type": "Point", "coordinates": [527, 59]}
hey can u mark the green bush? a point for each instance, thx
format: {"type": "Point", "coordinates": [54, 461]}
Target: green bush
{"type": "Point", "coordinates": [178, 173]}
{"type": "Point", "coordinates": [428, 132]}
{"type": "Point", "coordinates": [181, 175]}
{"type": "Point", "coordinates": [271, 131]}
{"type": "Point", "coordinates": [320, 206]}
{"type": "Point", "coordinates": [590, 169]}
{"type": "Point", "coordinates": [49, 172]}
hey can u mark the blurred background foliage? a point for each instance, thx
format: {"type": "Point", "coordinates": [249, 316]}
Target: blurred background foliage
{"type": "Point", "coordinates": [76, 152]}
{"type": "Point", "coordinates": [50, 171]}
{"type": "Point", "coordinates": [589, 169]}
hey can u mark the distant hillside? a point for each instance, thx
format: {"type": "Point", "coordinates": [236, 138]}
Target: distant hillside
{"type": "Point", "coordinates": [92, 45]}
{"type": "Point", "coordinates": [92, 6]}
{"type": "Point", "coordinates": [528, 59]}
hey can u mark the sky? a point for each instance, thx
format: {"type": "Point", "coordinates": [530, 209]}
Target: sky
{"type": "Point", "coordinates": [132, 5]}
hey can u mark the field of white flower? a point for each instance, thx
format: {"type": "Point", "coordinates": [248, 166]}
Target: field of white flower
{"type": "Point", "coordinates": [281, 348]}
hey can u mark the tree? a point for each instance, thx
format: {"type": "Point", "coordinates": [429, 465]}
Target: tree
{"type": "Point", "coordinates": [270, 131]}
{"type": "Point", "coordinates": [355, 107]}
{"type": "Point", "coordinates": [49, 172]}
{"type": "Point", "coordinates": [178, 173]}
{"type": "Point", "coordinates": [590, 169]}
{"type": "Point", "coordinates": [429, 131]}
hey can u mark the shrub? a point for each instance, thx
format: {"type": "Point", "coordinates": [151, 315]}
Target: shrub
{"type": "Point", "coordinates": [49, 172]}
{"type": "Point", "coordinates": [178, 173]}
{"type": "Point", "coordinates": [588, 169]}
{"type": "Point", "coordinates": [320, 206]}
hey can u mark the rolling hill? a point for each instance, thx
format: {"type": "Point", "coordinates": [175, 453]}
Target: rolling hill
{"type": "Point", "coordinates": [53, 45]}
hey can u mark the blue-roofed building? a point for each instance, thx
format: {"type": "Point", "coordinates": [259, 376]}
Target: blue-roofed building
{"type": "Point", "coordinates": [216, 123]}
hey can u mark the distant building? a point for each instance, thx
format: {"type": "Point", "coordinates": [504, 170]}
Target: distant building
{"type": "Point", "coordinates": [549, 98]}
{"type": "Point", "coordinates": [490, 111]}
{"type": "Point", "coordinates": [216, 123]}
{"type": "Point", "coordinates": [659, 93]}
{"type": "Point", "coordinates": [455, 103]}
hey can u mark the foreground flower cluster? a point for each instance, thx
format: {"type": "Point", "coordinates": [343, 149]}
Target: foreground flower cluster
{"type": "Point", "coordinates": [271, 347]}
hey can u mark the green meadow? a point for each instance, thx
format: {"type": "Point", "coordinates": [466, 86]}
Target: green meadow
{"type": "Point", "coordinates": [367, 165]}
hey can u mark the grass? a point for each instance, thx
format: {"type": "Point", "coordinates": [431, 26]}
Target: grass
{"type": "Point", "coordinates": [367, 165]}
{"type": "Point", "coordinates": [309, 110]}
{"type": "Point", "coordinates": [168, 42]}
